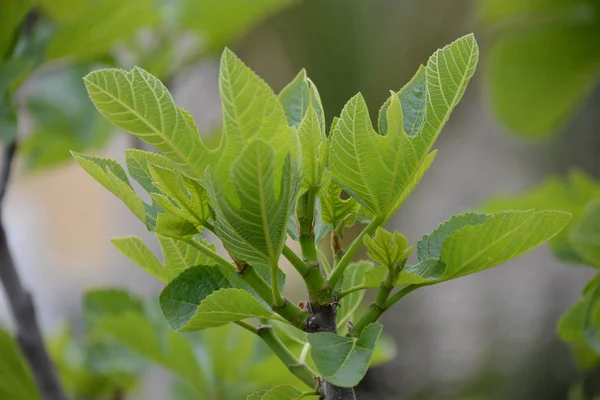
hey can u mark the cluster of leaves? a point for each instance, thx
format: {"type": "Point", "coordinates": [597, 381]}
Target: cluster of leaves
{"type": "Point", "coordinates": [124, 335]}
{"type": "Point", "coordinates": [279, 172]}
{"type": "Point", "coordinates": [56, 42]}
{"type": "Point", "coordinates": [543, 61]}
{"type": "Point", "coordinates": [579, 243]}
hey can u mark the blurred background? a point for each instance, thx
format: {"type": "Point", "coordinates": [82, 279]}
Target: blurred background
{"type": "Point", "coordinates": [486, 336]}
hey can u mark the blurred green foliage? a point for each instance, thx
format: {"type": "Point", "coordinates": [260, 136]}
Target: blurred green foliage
{"type": "Point", "coordinates": [543, 62]}
{"type": "Point", "coordinates": [579, 243]}
{"type": "Point", "coordinates": [123, 335]}
{"type": "Point", "coordinates": [46, 46]}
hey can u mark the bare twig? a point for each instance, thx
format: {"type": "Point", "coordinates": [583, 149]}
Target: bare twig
{"type": "Point", "coordinates": [28, 333]}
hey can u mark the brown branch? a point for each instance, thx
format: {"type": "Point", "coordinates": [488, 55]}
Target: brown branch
{"type": "Point", "coordinates": [21, 304]}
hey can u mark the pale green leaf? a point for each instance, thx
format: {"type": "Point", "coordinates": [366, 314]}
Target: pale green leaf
{"type": "Point", "coordinates": [336, 211]}
{"type": "Point", "coordinates": [387, 248]}
{"type": "Point", "coordinates": [288, 331]}
{"type": "Point", "coordinates": [253, 225]}
{"type": "Point", "coordinates": [178, 255]}
{"type": "Point", "coordinates": [96, 28]}
{"type": "Point", "coordinates": [250, 111]}
{"type": "Point", "coordinates": [430, 246]}
{"type": "Point", "coordinates": [571, 194]}
{"type": "Point", "coordinates": [175, 227]}
{"type": "Point", "coordinates": [16, 382]}
{"type": "Point", "coordinates": [585, 235]}
{"type": "Point", "coordinates": [297, 96]}
{"type": "Point", "coordinates": [140, 104]}
{"type": "Point", "coordinates": [412, 100]}
{"type": "Point", "coordinates": [191, 199]}
{"type": "Point", "coordinates": [314, 149]}
{"type": "Point", "coordinates": [377, 169]}
{"type": "Point", "coordinates": [342, 360]}
{"type": "Point", "coordinates": [353, 276]}
{"type": "Point", "coordinates": [482, 244]}
{"type": "Point", "coordinates": [203, 297]}
{"type": "Point", "coordinates": [295, 99]}
{"type": "Point", "coordinates": [113, 177]}
{"type": "Point", "coordinates": [137, 251]}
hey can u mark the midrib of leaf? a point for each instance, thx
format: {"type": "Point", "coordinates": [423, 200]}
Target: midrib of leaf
{"type": "Point", "coordinates": [485, 249]}
{"type": "Point", "coordinates": [463, 82]}
{"type": "Point", "coordinates": [359, 164]}
{"type": "Point", "coordinates": [263, 216]}
{"type": "Point", "coordinates": [153, 129]}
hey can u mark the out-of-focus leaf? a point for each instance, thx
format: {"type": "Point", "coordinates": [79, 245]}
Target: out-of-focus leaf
{"type": "Point", "coordinates": [12, 14]}
{"type": "Point", "coordinates": [571, 194]}
{"type": "Point", "coordinates": [220, 21]}
{"type": "Point", "coordinates": [543, 60]}
{"type": "Point", "coordinates": [63, 118]}
{"type": "Point", "coordinates": [585, 235]}
{"type": "Point", "coordinates": [95, 28]}
{"type": "Point", "coordinates": [16, 382]}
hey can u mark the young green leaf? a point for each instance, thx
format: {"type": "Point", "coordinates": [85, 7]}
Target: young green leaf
{"type": "Point", "coordinates": [177, 254]}
{"type": "Point", "coordinates": [253, 224]}
{"type": "Point", "coordinates": [314, 149]}
{"type": "Point", "coordinates": [388, 248]}
{"type": "Point", "coordinates": [585, 235]}
{"type": "Point", "coordinates": [353, 276]}
{"type": "Point", "coordinates": [251, 111]}
{"type": "Point", "coordinates": [113, 177]}
{"type": "Point", "coordinates": [192, 202]}
{"type": "Point", "coordinates": [203, 297]}
{"type": "Point", "coordinates": [377, 169]}
{"type": "Point", "coordinates": [140, 104]}
{"type": "Point", "coordinates": [343, 361]}
{"type": "Point", "coordinates": [137, 251]}
{"type": "Point", "coordinates": [481, 244]}
{"type": "Point", "coordinates": [335, 210]}
{"type": "Point", "coordinates": [412, 100]}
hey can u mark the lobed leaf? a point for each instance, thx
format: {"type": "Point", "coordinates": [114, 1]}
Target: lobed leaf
{"type": "Point", "coordinates": [388, 249]}
{"type": "Point", "coordinates": [377, 169]}
{"type": "Point", "coordinates": [342, 360]}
